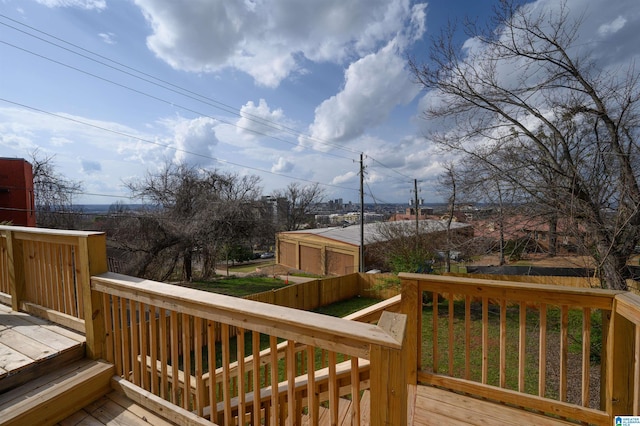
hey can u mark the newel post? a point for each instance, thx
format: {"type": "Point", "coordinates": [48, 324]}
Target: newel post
{"type": "Point", "coordinates": [17, 280]}
{"type": "Point", "coordinates": [92, 260]}
{"type": "Point", "coordinates": [619, 335]}
{"type": "Point", "coordinates": [411, 306]}
{"type": "Point", "coordinates": [388, 384]}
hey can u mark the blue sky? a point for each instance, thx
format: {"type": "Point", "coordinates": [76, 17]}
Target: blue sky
{"type": "Point", "coordinates": [289, 90]}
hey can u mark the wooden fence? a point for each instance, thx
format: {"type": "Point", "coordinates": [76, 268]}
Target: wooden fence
{"type": "Point", "coordinates": [313, 294]}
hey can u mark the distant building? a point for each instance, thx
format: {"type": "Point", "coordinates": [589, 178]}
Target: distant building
{"type": "Point", "coordinates": [336, 251]}
{"type": "Point", "coordinates": [410, 214]}
{"type": "Point", "coordinates": [17, 204]}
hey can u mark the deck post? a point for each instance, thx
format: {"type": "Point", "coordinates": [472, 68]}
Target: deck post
{"type": "Point", "coordinates": [411, 306]}
{"type": "Point", "coordinates": [389, 391]}
{"type": "Point", "coordinates": [17, 282]}
{"type": "Point", "coordinates": [92, 260]}
{"type": "Point", "coordinates": [619, 342]}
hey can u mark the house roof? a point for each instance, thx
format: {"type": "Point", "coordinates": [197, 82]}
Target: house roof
{"type": "Point", "coordinates": [351, 234]}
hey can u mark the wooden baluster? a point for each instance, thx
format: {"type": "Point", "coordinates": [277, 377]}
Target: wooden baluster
{"type": "Point", "coordinates": [355, 392]}
{"type": "Point", "coordinates": [485, 340]}
{"type": "Point", "coordinates": [586, 355]}
{"type": "Point", "coordinates": [165, 342]}
{"type": "Point", "coordinates": [467, 337]}
{"type": "Point", "coordinates": [451, 335]}
{"type": "Point", "coordinates": [144, 348]}
{"type": "Point", "coordinates": [211, 356]}
{"type": "Point", "coordinates": [522, 350]}
{"type": "Point", "coordinates": [542, 351]}
{"type": "Point", "coordinates": [226, 378]}
{"type": "Point", "coordinates": [434, 340]}
{"type": "Point", "coordinates": [134, 321]}
{"type": "Point", "coordinates": [503, 343]}
{"type": "Point", "coordinates": [197, 350]}
{"type": "Point", "coordinates": [240, 372]}
{"type": "Point", "coordinates": [564, 351]}
{"type": "Point", "coordinates": [313, 406]}
{"type": "Point", "coordinates": [153, 349]}
{"type": "Point", "coordinates": [275, 415]}
{"type": "Point", "coordinates": [175, 383]}
{"type": "Point", "coordinates": [186, 360]}
{"type": "Point", "coordinates": [255, 346]}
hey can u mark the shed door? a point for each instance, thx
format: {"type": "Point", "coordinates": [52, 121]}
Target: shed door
{"type": "Point", "coordinates": [310, 260]}
{"type": "Point", "coordinates": [287, 254]}
{"type": "Point", "coordinates": [340, 263]}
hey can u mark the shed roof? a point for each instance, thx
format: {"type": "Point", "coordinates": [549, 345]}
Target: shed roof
{"type": "Point", "coordinates": [351, 234]}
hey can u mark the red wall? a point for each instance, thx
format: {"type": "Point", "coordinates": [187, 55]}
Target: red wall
{"type": "Point", "coordinates": [16, 192]}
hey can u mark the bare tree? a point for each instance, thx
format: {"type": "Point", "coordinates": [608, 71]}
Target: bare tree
{"type": "Point", "coordinates": [448, 182]}
{"type": "Point", "coordinates": [301, 200]}
{"type": "Point", "coordinates": [53, 194]}
{"type": "Point", "coordinates": [197, 214]}
{"type": "Point", "coordinates": [545, 112]}
{"type": "Point", "coordinates": [395, 247]}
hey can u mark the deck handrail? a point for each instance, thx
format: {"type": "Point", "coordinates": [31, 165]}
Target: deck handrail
{"type": "Point", "coordinates": [146, 322]}
{"type": "Point", "coordinates": [448, 303]}
{"type": "Point", "coordinates": [46, 272]}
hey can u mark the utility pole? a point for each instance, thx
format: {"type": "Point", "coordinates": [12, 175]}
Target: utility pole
{"type": "Point", "coordinates": [361, 268]}
{"type": "Point", "coordinates": [417, 207]}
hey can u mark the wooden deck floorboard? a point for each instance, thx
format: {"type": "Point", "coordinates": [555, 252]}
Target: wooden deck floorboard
{"type": "Point", "coordinates": [114, 409]}
{"type": "Point", "coordinates": [435, 406]}
{"type": "Point", "coordinates": [29, 346]}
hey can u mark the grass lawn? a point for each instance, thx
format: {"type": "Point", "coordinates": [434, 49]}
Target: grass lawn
{"type": "Point", "coordinates": [347, 307]}
{"type": "Point", "coordinates": [512, 344]}
{"type": "Point", "coordinates": [251, 267]}
{"type": "Point", "coordinates": [237, 286]}
{"type": "Point", "coordinates": [338, 309]}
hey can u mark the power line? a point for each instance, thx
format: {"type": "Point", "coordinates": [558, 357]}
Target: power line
{"type": "Point", "coordinates": [165, 85]}
{"type": "Point", "coordinates": [176, 89]}
{"type": "Point", "coordinates": [117, 132]}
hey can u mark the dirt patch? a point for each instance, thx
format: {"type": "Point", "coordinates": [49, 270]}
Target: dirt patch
{"type": "Point", "coordinates": [574, 373]}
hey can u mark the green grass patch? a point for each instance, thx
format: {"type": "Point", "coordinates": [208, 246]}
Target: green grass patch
{"type": "Point", "coordinates": [457, 347]}
{"type": "Point", "coordinates": [251, 267]}
{"type": "Point", "coordinates": [338, 309]}
{"type": "Point", "coordinates": [237, 286]}
{"type": "Point", "coordinates": [346, 307]}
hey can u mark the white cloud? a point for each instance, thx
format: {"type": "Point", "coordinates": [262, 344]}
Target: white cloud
{"type": "Point", "coordinates": [258, 120]}
{"type": "Point", "coordinates": [193, 140]}
{"type": "Point", "coordinates": [345, 178]}
{"type": "Point", "coordinates": [283, 166]}
{"type": "Point", "coordinates": [374, 85]}
{"type": "Point", "coordinates": [108, 38]}
{"type": "Point", "coordinates": [268, 39]}
{"type": "Point", "coordinates": [612, 27]}
{"type": "Point", "coordinates": [81, 4]}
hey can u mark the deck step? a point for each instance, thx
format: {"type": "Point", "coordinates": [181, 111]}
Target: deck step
{"type": "Point", "coordinates": [33, 370]}
{"type": "Point", "coordinates": [54, 396]}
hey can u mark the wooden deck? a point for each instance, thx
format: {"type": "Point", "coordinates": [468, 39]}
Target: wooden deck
{"type": "Point", "coordinates": [114, 409]}
{"type": "Point", "coordinates": [30, 346]}
{"type": "Point", "coordinates": [435, 406]}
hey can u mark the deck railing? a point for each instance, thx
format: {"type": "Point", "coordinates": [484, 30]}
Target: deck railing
{"type": "Point", "coordinates": [46, 272]}
{"type": "Point", "coordinates": [564, 352]}
{"type": "Point", "coordinates": [163, 339]}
